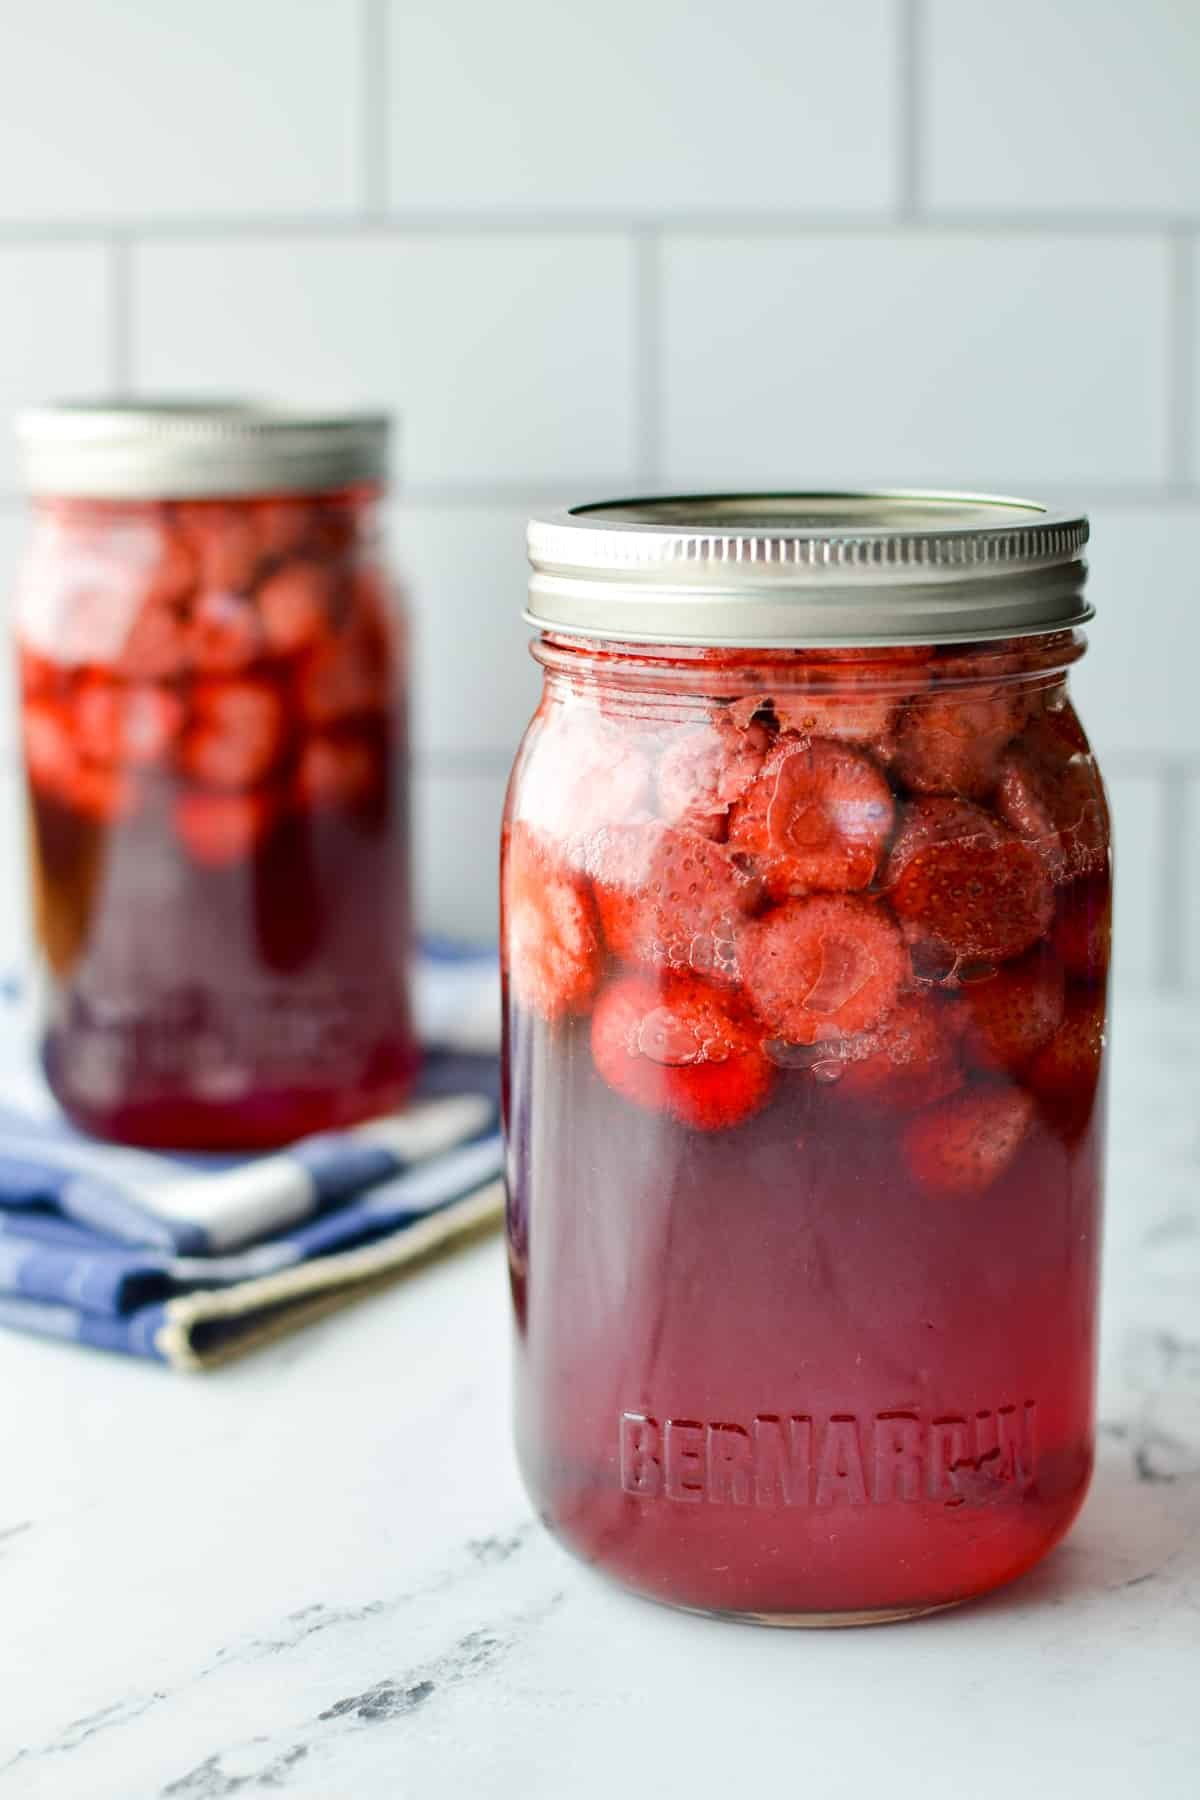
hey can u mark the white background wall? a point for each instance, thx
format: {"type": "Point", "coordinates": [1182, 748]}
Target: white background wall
{"type": "Point", "coordinates": [587, 249]}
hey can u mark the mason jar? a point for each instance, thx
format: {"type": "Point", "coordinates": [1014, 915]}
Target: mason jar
{"type": "Point", "coordinates": [212, 666]}
{"type": "Point", "coordinates": [806, 919]}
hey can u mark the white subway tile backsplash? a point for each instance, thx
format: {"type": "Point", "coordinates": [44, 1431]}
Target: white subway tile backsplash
{"type": "Point", "coordinates": [475, 684]}
{"type": "Point", "coordinates": [55, 332]}
{"type": "Point", "coordinates": [1078, 103]}
{"type": "Point", "coordinates": [652, 108]}
{"type": "Point", "coordinates": [456, 851]}
{"type": "Point", "coordinates": [1136, 687]}
{"type": "Point", "coordinates": [1138, 827]}
{"type": "Point", "coordinates": [160, 107]}
{"type": "Point", "coordinates": [509, 358]}
{"type": "Point", "coordinates": [949, 357]}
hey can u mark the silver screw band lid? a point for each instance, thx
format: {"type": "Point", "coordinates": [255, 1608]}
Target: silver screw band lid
{"type": "Point", "coordinates": [808, 569]}
{"type": "Point", "coordinates": [182, 450]}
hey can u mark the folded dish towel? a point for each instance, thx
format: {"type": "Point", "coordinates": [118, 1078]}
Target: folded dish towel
{"type": "Point", "coordinates": [190, 1260]}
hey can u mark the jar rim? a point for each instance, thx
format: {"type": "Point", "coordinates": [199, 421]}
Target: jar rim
{"type": "Point", "coordinates": [192, 449]}
{"type": "Point", "coordinates": [892, 566]}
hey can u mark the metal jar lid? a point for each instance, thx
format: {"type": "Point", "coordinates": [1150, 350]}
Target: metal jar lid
{"type": "Point", "coordinates": [176, 450]}
{"type": "Point", "coordinates": [808, 569]}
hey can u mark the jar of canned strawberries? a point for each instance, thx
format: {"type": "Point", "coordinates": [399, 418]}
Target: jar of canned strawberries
{"type": "Point", "coordinates": [212, 705]}
{"type": "Point", "coordinates": [806, 927]}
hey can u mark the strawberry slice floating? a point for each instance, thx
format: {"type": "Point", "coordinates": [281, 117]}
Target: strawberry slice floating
{"type": "Point", "coordinates": [705, 770]}
{"type": "Point", "coordinates": [224, 541]}
{"type": "Point", "coordinates": [236, 735]}
{"type": "Point", "coordinates": [115, 722]}
{"type": "Point", "coordinates": [1050, 793]}
{"type": "Point", "coordinates": [337, 770]}
{"type": "Point", "coordinates": [668, 898]}
{"type": "Point", "coordinates": [294, 606]}
{"type": "Point", "coordinates": [952, 743]}
{"type": "Point", "coordinates": [50, 753]}
{"type": "Point", "coordinates": [224, 633]}
{"type": "Point", "coordinates": [580, 773]}
{"type": "Point", "coordinates": [959, 877]}
{"type": "Point", "coordinates": [965, 1144]}
{"type": "Point", "coordinates": [677, 1046]}
{"type": "Point", "coordinates": [817, 818]}
{"type": "Point", "coordinates": [1016, 1010]}
{"type": "Point", "coordinates": [822, 969]}
{"type": "Point", "coordinates": [1069, 1065]}
{"type": "Point", "coordinates": [221, 830]}
{"type": "Point", "coordinates": [345, 676]}
{"type": "Point", "coordinates": [908, 1061]}
{"type": "Point", "coordinates": [549, 929]}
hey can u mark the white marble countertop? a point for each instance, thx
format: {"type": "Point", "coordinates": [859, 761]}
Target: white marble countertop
{"type": "Point", "coordinates": [315, 1573]}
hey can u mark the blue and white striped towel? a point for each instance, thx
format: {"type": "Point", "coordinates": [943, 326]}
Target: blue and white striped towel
{"type": "Point", "coordinates": [189, 1260]}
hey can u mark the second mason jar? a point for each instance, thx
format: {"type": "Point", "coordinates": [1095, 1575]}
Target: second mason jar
{"type": "Point", "coordinates": [212, 669]}
{"type": "Point", "coordinates": [806, 937]}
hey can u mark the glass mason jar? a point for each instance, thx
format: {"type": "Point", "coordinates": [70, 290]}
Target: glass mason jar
{"type": "Point", "coordinates": [806, 937]}
{"type": "Point", "coordinates": [212, 699]}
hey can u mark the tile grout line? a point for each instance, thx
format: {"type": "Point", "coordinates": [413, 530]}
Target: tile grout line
{"type": "Point", "coordinates": [1180, 370]}
{"type": "Point", "coordinates": [647, 326]}
{"type": "Point", "coordinates": [385, 222]}
{"type": "Point", "coordinates": [120, 324]}
{"type": "Point", "coordinates": [910, 98]}
{"type": "Point", "coordinates": [1171, 962]}
{"type": "Point", "coordinates": [374, 144]}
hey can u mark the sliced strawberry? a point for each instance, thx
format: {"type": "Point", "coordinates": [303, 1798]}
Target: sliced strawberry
{"type": "Point", "coordinates": [337, 770]}
{"type": "Point", "coordinates": [846, 717]}
{"type": "Point", "coordinates": [1051, 794]}
{"type": "Point", "coordinates": [705, 769]}
{"type": "Point", "coordinates": [336, 526]}
{"type": "Point", "coordinates": [224, 540]}
{"type": "Point", "coordinates": [1069, 1065]}
{"type": "Point", "coordinates": [580, 773]}
{"type": "Point", "coordinates": [966, 1143]}
{"type": "Point", "coordinates": [294, 605]}
{"type": "Point", "coordinates": [283, 525]}
{"type": "Point", "coordinates": [157, 645]}
{"type": "Point", "coordinates": [1014, 1011]}
{"type": "Point", "coordinates": [817, 817]}
{"type": "Point", "coordinates": [668, 898]}
{"type": "Point", "coordinates": [549, 929]}
{"type": "Point", "coordinates": [951, 743]}
{"type": "Point", "coordinates": [115, 722]}
{"type": "Point", "coordinates": [678, 1046]}
{"type": "Point", "coordinates": [1082, 933]}
{"type": "Point", "coordinates": [38, 675]}
{"type": "Point", "coordinates": [236, 733]}
{"type": "Point", "coordinates": [347, 675]}
{"type": "Point", "coordinates": [50, 753]}
{"type": "Point", "coordinates": [95, 789]}
{"type": "Point", "coordinates": [822, 969]}
{"type": "Point", "coordinates": [958, 877]}
{"type": "Point", "coordinates": [173, 572]}
{"type": "Point", "coordinates": [909, 1060]}
{"type": "Point", "coordinates": [219, 830]}
{"type": "Point", "coordinates": [102, 792]}
{"type": "Point", "coordinates": [225, 634]}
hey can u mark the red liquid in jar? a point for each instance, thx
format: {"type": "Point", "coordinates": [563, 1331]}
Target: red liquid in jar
{"type": "Point", "coordinates": [218, 822]}
{"type": "Point", "coordinates": [806, 1314]}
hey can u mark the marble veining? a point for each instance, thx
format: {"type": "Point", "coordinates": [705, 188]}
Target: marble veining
{"type": "Point", "coordinates": [315, 1574]}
